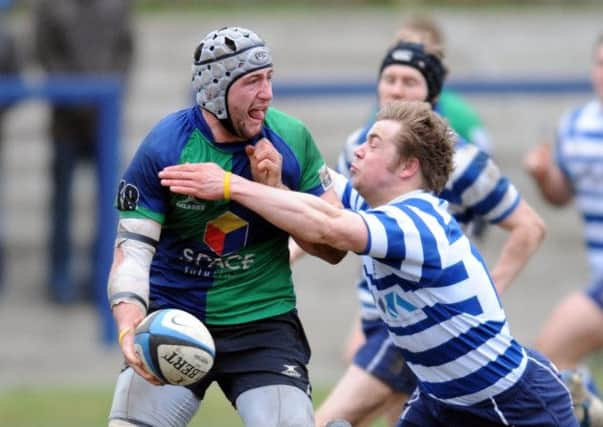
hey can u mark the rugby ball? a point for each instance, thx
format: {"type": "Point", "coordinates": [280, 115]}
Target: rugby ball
{"type": "Point", "coordinates": [175, 346]}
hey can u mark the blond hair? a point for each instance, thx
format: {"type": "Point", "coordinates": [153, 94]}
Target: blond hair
{"type": "Point", "coordinates": [425, 31]}
{"type": "Point", "coordinates": [423, 135]}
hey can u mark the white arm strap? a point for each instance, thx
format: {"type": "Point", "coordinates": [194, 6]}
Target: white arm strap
{"type": "Point", "coordinates": [134, 250]}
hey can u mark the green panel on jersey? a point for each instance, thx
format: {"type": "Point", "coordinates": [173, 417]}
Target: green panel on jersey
{"type": "Point", "coordinates": [143, 213]}
{"type": "Point", "coordinates": [251, 284]}
{"type": "Point", "coordinates": [301, 142]}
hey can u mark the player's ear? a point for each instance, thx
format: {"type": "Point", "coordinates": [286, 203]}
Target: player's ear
{"type": "Point", "coordinates": [409, 167]}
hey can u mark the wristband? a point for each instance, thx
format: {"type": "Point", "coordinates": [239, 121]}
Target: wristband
{"type": "Point", "coordinates": [122, 334]}
{"type": "Point", "coordinates": [227, 176]}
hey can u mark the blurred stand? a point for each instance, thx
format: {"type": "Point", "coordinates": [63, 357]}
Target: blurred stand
{"type": "Point", "coordinates": [80, 38]}
{"type": "Point", "coordinates": [9, 66]}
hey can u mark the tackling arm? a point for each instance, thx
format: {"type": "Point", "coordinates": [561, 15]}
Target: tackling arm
{"type": "Point", "coordinates": [305, 216]}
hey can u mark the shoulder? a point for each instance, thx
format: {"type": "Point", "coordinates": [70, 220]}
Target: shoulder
{"type": "Point", "coordinates": [278, 120]}
{"type": "Point", "coordinates": [169, 135]}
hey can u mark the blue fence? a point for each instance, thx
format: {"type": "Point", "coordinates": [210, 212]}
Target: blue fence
{"type": "Point", "coordinates": [106, 93]}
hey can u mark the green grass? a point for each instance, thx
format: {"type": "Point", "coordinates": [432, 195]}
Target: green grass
{"type": "Point", "coordinates": [89, 406]}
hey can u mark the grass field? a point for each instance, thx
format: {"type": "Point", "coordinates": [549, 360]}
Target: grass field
{"type": "Point", "coordinates": [88, 406]}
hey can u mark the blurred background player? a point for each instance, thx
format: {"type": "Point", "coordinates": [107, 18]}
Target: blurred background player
{"type": "Point", "coordinates": [573, 170]}
{"type": "Point", "coordinates": [218, 260]}
{"type": "Point", "coordinates": [84, 38]}
{"type": "Point", "coordinates": [461, 116]}
{"type": "Point", "coordinates": [378, 381]}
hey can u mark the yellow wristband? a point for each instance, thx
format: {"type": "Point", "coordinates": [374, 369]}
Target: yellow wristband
{"type": "Point", "coordinates": [122, 334]}
{"type": "Point", "coordinates": [227, 176]}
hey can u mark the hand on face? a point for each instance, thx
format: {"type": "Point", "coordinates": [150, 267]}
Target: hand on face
{"type": "Point", "coordinates": [200, 180]}
{"type": "Point", "coordinates": [266, 163]}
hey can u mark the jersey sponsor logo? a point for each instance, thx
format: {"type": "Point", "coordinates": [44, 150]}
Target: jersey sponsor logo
{"type": "Point", "coordinates": [226, 234]}
{"type": "Point", "coordinates": [325, 177]}
{"type": "Point", "coordinates": [201, 264]}
{"type": "Point", "coordinates": [391, 303]}
{"type": "Point", "coordinates": [191, 203]}
{"type": "Point", "coordinates": [291, 371]}
{"type": "Point", "coordinates": [127, 196]}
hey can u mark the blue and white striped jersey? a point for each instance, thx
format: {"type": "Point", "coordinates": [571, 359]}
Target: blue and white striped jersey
{"type": "Point", "coordinates": [435, 294]}
{"type": "Point", "coordinates": [476, 188]}
{"type": "Point", "coordinates": [579, 154]}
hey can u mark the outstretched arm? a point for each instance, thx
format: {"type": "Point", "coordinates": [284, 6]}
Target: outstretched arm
{"type": "Point", "coordinates": [302, 215]}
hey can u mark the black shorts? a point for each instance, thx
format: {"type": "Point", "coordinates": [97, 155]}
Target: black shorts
{"type": "Point", "coordinates": [270, 351]}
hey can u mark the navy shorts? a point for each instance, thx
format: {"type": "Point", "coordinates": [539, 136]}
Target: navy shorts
{"type": "Point", "coordinates": [380, 357]}
{"type": "Point", "coordinates": [538, 399]}
{"type": "Point", "coordinates": [272, 351]}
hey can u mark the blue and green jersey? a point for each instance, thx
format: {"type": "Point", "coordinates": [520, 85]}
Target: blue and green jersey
{"type": "Point", "coordinates": [217, 259]}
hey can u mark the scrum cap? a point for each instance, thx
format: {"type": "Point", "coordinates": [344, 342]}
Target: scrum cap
{"type": "Point", "coordinates": [220, 59]}
{"type": "Point", "coordinates": [415, 56]}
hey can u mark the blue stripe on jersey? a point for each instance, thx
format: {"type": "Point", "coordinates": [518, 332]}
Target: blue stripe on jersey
{"type": "Point", "coordinates": [451, 275]}
{"type": "Point", "coordinates": [437, 314]}
{"type": "Point", "coordinates": [507, 211]}
{"type": "Point", "coordinates": [480, 379]}
{"type": "Point", "coordinates": [472, 173]}
{"type": "Point", "coordinates": [563, 135]}
{"type": "Point", "coordinates": [392, 280]}
{"type": "Point", "coordinates": [432, 263]}
{"type": "Point", "coordinates": [454, 234]}
{"type": "Point", "coordinates": [493, 198]}
{"type": "Point", "coordinates": [396, 251]}
{"type": "Point", "coordinates": [591, 244]}
{"type": "Point", "coordinates": [592, 217]}
{"type": "Point", "coordinates": [461, 345]}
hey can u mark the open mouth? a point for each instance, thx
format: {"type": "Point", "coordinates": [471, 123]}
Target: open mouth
{"type": "Point", "coordinates": [257, 114]}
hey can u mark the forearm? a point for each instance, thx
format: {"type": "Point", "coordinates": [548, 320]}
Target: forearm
{"type": "Point", "coordinates": [526, 233]}
{"type": "Point", "coordinates": [301, 215]}
{"type": "Point", "coordinates": [134, 250]}
{"type": "Point", "coordinates": [554, 186]}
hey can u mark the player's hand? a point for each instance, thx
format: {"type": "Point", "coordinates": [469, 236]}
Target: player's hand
{"type": "Point", "coordinates": [538, 160]}
{"type": "Point", "coordinates": [127, 317]}
{"type": "Point", "coordinates": [266, 163]}
{"type": "Point", "coordinates": [201, 180]}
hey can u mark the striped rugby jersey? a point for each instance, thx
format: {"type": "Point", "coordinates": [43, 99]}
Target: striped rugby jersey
{"type": "Point", "coordinates": [579, 154]}
{"type": "Point", "coordinates": [476, 188]}
{"type": "Point", "coordinates": [217, 259]}
{"type": "Point", "coordinates": [435, 294]}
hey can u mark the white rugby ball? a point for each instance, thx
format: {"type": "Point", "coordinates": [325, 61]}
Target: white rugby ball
{"type": "Point", "coordinates": [175, 346]}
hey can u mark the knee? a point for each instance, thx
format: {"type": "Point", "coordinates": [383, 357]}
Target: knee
{"type": "Point", "coordinates": [278, 406]}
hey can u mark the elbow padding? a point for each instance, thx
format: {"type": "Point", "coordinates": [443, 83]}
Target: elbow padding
{"type": "Point", "coordinates": [134, 251]}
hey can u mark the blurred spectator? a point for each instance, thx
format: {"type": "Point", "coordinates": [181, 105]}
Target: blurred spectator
{"type": "Point", "coordinates": [9, 66]}
{"type": "Point", "coordinates": [572, 170]}
{"type": "Point", "coordinates": [83, 37]}
{"type": "Point", "coordinates": [462, 117]}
